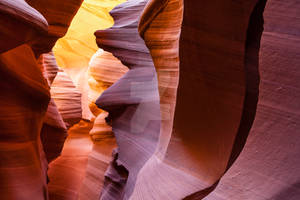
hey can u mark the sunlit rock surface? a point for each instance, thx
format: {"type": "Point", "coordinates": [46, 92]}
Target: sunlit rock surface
{"type": "Point", "coordinates": [104, 70]}
{"type": "Point", "coordinates": [67, 98]}
{"type": "Point", "coordinates": [101, 129]}
{"type": "Point", "coordinates": [74, 51]}
{"type": "Point", "coordinates": [49, 66]}
{"type": "Point", "coordinates": [101, 69]}
{"type": "Point", "coordinates": [92, 143]}
{"type": "Point", "coordinates": [59, 15]}
{"type": "Point", "coordinates": [56, 121]}
{"type": "Point", "coordinates": [54, 130]}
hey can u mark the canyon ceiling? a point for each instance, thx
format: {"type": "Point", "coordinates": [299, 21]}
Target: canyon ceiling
{"type": "Point", "coordinates": [149, 99]}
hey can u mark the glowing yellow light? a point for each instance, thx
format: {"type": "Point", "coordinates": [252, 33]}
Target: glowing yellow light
{"type": "Point", "coordinates": [74, 51]}
{"type": "Point", "coordinates": [76, 48]}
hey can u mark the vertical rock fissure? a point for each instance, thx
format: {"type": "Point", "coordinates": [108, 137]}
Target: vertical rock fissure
{"type": "Point", "coordinates": [254, 33]}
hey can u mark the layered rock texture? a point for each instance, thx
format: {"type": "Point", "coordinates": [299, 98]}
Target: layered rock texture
{"type": "Point", "coordinates": [32, 129]}
{"type": "Point", "coordinates": [132, 102]}
{"type": "Point", "coordinates": [76, 48]}
{"type": "Point", "coordinates": [149, 99]}
{"type": "Point", "coordinates": [23, 163]}
{"type": "Point", "coordinates": [268, 167]}
{"type": "Point", "coordinates": [54, 130]}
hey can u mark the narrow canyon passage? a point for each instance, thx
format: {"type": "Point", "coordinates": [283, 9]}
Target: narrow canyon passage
{"type": "Point", "coordinates": [79, 172]}
{"type": "Point", "coordinates": [66, 173]}
{"type": "Point", "coordinates": [149, 100]}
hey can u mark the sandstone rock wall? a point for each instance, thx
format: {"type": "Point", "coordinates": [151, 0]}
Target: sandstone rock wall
{"type": "Point", "coordinates": [24, 99]}
{"type": "Point", "coordinates": [268, 167]}
{"type": "Point", "coordinates": [188, 99]}
{"type": "Point", "coordinates": [32, 130]}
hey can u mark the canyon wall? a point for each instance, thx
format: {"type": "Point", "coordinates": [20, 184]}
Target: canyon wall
{"type": "Point", "coordinates": [32, 129]}
{"type": "Point", "coordinates": [268, 167]}
{"type": "Point", "coordinates": [175, 99]}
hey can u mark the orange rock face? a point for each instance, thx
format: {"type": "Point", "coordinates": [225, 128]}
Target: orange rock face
{"type": "Point", "coordinates": [23, 163]}
{"type": "Point", "coordinates": [31, 134]}
{"type": "Point", "coordinates": [67, 98]}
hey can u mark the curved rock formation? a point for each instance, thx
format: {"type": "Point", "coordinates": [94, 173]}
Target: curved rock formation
{"type": "Point", "coordinates": [212, 90]}
{"type": "Point", "coordinates": [104, 70]}
{"type": "Point", "coordinates": [67, 172]}
{"type": "Point", "coordinates": [99, 158]}
{"type": "Point", "coordinates": [207, 106]}
{"type": "Point", "coordinates": [54, 131]}
{"type": "Point", "coordinates": [216, 111]}
{"type": "Point", "coordinates": [49, 66]}
{"type": "Point", "coordinates": [67, 99]}
{"type": "Point", "coordinates": [269, 165]}
{"type": "Point", "coordinates": [132, 102]}
{"type": "Point", "coordinates": [23, 164]}
{"type": "Point", "coordinates": [19, 24]}
{"type": "Point", "coordinates": [59, 15]}
{"type": "Point", "coordinates": [74, 51]}
{"type": "Point", "coordinates": [101, 130]}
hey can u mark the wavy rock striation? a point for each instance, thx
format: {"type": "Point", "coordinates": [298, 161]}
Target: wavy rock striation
{"type": "Point", "coordinates": [207, 108]}
{"type": "Point", "coordinates": [132, 102]}
{"type": "Point", "coordinates": [213, 91]}
{"type": "Point", "coordinates": [54, 131]}
{"type": "Point", "coordinates": [67, 172]}
{"type": "Point", "coordinates": [67, 99]}
{"type": "Point", "coordinates": [25, 97]}
{"type": "Point", "coordinates": [104, 70]}
{"type": "Point", "coordinates": [269, 165]}
{"type": "Point", "coordinates": [59, 118]}
{"type": "Point", "coordinates": [76, 48]}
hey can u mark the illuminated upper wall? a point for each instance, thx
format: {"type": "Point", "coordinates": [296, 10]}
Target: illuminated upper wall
{"type": "Point", "coordinates": [74, 51]}
{"type": "Point", "coordinates": [77, 47]}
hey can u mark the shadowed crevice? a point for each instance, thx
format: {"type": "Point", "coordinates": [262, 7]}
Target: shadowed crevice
{"type": "Point", "coordinates": [254, 33]}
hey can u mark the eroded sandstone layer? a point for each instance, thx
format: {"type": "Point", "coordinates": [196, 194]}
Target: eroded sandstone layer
{"type": "Point", "coordinates": [75, 50]}
{"type": "Point", "coordinates": [132, 102]}
{"type": "Point", "coordinates": [268, 167]}
{"type": "Point", "coordinates": [186, 99]}
{"type": "Point", "coordinates": [23, 165]}
{"type": "Point", "coordinates": [32, 130]}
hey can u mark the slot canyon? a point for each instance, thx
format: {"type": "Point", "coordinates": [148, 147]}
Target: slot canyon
{"type": "Point", "coordinates": [149, 99]}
